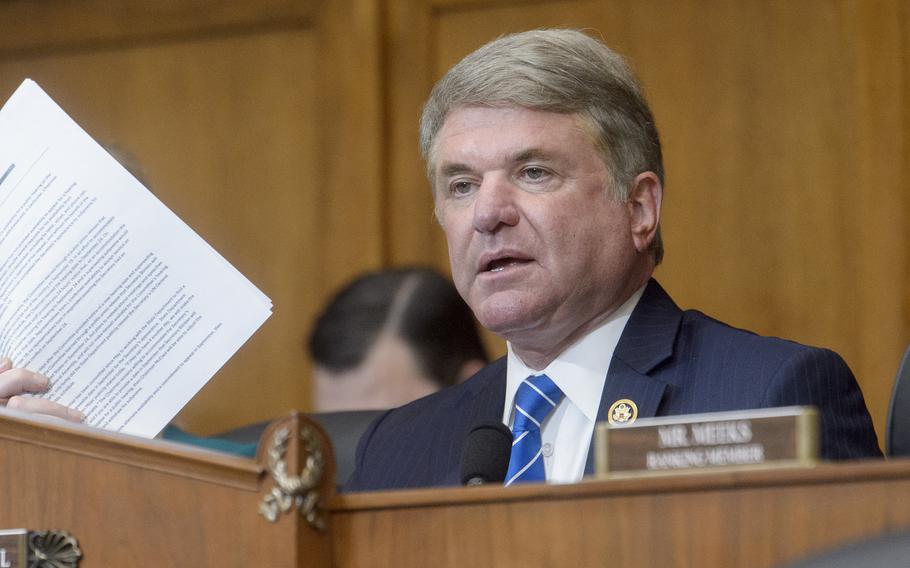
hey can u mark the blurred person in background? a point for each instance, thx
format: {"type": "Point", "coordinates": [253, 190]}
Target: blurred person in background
{"type": "Point", "coordinates": [389, 337]}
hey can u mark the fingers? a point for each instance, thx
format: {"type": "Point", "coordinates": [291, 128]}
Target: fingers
{"type": "Point", "coordinates": [19, 381]}
{"type": "Point", "coordinates": [41, 406]}
{"type": "Point", "coordinates": [15, 382]}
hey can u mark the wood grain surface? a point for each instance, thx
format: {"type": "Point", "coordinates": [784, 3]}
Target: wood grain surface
{"type": "Point", "coordinates": [749, 519]}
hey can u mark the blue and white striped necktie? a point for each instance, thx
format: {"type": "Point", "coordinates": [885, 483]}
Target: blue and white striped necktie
{"type": "Point", "coordinates": [537, 396]}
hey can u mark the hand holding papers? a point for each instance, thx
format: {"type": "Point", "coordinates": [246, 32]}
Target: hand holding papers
{"type": "Point", "coordinates": [14, 382]}
{"type": "Point", "coordinates": [102, 288]}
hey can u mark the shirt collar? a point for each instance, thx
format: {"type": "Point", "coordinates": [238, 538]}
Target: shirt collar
{"type": "Point", "coordinates": [581, 370]}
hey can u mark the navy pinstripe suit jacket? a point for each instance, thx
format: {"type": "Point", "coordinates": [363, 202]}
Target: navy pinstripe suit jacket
{"type": "Point", "coordinates": [668, 361]}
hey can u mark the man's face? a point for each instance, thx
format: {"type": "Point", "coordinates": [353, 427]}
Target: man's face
{"type": "Point", "coordinates": [539, 246]}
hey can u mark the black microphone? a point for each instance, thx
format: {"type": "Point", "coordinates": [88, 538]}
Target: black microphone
{"type": "Point", "coordinates": [485, 458]}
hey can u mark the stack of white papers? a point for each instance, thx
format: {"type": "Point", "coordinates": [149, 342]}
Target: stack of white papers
{"type": "Point", "coordinates": [102, 288]}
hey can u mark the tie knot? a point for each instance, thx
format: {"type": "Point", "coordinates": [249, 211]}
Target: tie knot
{"type": "Point", "coordinates": [537, 396]}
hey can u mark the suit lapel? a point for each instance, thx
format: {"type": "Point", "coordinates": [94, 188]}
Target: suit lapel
{"type": "Point", "coordinates": [478, 400]}
{"type": "Point", "coordinates": [488, 393]}
{"type": "Point", "coordinates": [625, 383]}
{"type": "Point", "coordinates": [646, 342]}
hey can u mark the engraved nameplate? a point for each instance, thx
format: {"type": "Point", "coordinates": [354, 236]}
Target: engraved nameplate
{"type": "Point", "coordinates": [706, 442]}
{"type": "Point", "coordinates": [13, 548]}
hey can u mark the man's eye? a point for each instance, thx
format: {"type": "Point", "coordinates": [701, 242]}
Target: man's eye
{"type": "Point", "coordinates": [461, 187]}
{"type": "Point", "coordinates": [535, 173]}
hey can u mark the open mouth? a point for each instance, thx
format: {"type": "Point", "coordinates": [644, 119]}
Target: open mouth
{"type": "Point", "coordinates": [500, 264]}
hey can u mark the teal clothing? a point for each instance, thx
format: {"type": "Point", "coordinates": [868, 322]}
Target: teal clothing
{"type": "Point", "coordinates": [175, 434]}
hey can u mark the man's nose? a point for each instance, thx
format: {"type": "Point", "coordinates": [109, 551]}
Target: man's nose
{"type": "Point", "coordinates": [494, 204]}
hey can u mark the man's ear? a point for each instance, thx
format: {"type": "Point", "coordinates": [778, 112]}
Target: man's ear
{"type": "Point", "coordinates": [644, 209]}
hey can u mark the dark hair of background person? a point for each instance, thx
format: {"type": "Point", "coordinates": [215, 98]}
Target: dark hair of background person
{"type": "Point", "coordinates": [418, 305]}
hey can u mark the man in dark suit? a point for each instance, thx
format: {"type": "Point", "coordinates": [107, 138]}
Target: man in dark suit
{"type": "Point", "coordinates": [547, 176]}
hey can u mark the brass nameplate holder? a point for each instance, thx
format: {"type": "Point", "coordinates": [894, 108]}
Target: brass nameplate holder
{"type": "Point", "coordinates": [773, 437]}
{"type": "Point", "coordinates": [20, 548]}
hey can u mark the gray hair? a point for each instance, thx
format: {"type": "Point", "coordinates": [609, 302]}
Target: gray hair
{"type": "Point", "coordinates": [563, 71]}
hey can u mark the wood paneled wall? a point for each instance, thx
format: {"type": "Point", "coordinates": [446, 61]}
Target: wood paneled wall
{"type": "Point", "coordinates": [285, 133]}
{"type": "Point", "coordinates": [257, 123]}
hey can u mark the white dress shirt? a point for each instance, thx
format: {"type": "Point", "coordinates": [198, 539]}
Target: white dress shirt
{"type": "Point", "coordinates": [580, 372]}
